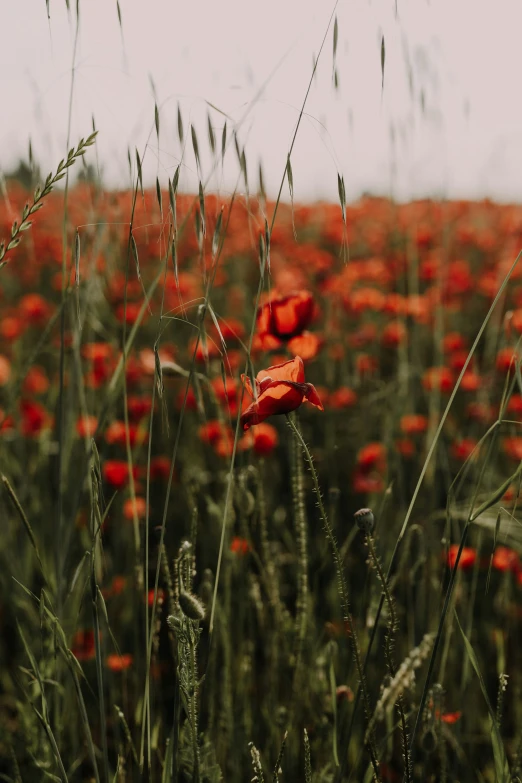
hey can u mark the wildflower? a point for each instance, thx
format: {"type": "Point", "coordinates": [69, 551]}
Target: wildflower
{"type": "Point", "coordinates": [505, 559]}
{"type": "Point", "coordinates": [36, 381]}
{"type": "Point", "coordinates": [394, 334]}
{"type": "Point", "coordinates": [462, 449]}
{"type": "Point", "coordinates": [440, 378]}
{"type": "Point", "coordinates": [342, 398]}
{"type": "Point", "coordinates": [138, 506]}
{"type": "Point", "coordinates": [119, 663]}
{"type": "Point", "coordinates": [160, 468]}
{"type": "Point", "coordinates": [451, 717]}
{"type": "Point", "coordinates": [86, 426]}
{"type": "Point", "coordinates": [265, 439]}
{"type": "Point", "coordinates": [280, 389]}
{"type": "Point", "coordinates": [5, 370]}
{"type": "Point", "coordinates": [11, 328]}
{"type": "Point", "coordinates": [34, 417]}
{"type": "Point", "coordinates": [116, 473]}
{"type": "Point", "coordinates": [285, 317]}
{"type": "Point", "coordinates": [239, 546]}
{"type": "Point", "coordinates": [405, 446]}
{"type": "Point", "coordinates": [373, 455]}
{"type": "Point", "coordinates": [413, 424]}
{"type": "Point", "coordinates": [34, 309]}
{"type": "Point", "coordinates": [305, 345]}
{"type": "Point", "coordinates": [467, 558]}
{"type": "Point", "coordinates": [83, 645]}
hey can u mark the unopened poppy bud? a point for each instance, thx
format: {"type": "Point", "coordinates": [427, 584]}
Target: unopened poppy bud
{"type": "Point", "coordinates": [365, 520]}
{"type": "Point", "coordinates": [191, 606]}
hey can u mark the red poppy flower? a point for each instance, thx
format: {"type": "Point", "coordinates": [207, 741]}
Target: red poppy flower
{"type": "Point", "coordinates": [342, 398]}
{"type": "Point", "coordinates": [5, 370]}
{"type": "Point", "coordinates": [83, 645]}
{"type": "Point", "coordinates": [118, 663]}
{"type": "Point", "coordinates": [34, 417]}
{"type": "Point", "coordinates": [285, 317]}
{"type": "Point", "coordinates": [265, 439]}
{"type": "Point", "coordinates": [36, 381]}
{"type": "Point", "coordinates": [467, 558]}
{"type": "Point", "coordinates": [505, 559]}
{"type": "Point", "coordinates": [86, 426]}
{"type": "Point", "coordinates": [306, 345]}
{"type": "Point", "coordinates": [239, 546]}
{"type": "Point", "coordinates": [138, 505]}
{"type": "Point", "coordinates": [413, 424]}
{"type": "Point", "coordinates": [116, 473]}
{"type": "Point", "coordinates": [34, 308]}
{"type": "Point", "coordinates": [280, 389]}
{"type": "Point", "coordinates": [160, 468]}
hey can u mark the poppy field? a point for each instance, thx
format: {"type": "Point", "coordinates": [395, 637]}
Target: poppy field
{"type": "Point", "coordinates": [261, 467]}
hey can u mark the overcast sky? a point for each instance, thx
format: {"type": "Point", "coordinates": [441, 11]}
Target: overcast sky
{"type": "Point", "coordinates": [448, 122]}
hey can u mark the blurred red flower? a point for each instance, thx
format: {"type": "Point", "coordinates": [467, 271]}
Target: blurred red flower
{"type": "Point", "coordinates": [239, 546]}
{"type": "Point", "coordinates": [467, 558]}
{"type": "Point", "coordinates": [119, 663]}
{"type": "Point", "coordinates": [285, 317]}
{"type": "Point", "coordinates": [83, 645]}
{"type": "Point", "coordinates": [116, 473]}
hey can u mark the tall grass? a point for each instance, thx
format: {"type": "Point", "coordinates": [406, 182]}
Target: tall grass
{"type": "Point", "coordinates": [185, 600]}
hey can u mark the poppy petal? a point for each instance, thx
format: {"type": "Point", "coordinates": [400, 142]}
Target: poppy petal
{"type": "Point", "coordinates": [277, 398]}
{"type": "Point", "coordinates": [312, 396]}
{"type": "Point", "coordinates": [292, 370]}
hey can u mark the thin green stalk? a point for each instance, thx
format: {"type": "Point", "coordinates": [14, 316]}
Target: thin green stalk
{"type": "Point", "coordinates": [343, 594]}
{"type": "Point", "coordinates": [390, 633]}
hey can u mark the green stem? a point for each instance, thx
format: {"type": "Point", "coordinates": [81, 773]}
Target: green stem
{"type": "Point", "coordinates": [343, 593]}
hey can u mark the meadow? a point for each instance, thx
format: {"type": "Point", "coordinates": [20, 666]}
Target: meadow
{"type": "Point", "coordinates": [261, 467]}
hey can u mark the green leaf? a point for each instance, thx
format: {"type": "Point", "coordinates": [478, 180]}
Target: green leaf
{"type": "Point", "coordinates": [180, 126]}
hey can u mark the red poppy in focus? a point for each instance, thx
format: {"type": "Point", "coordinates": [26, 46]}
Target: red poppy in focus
{"type": "Point", "coordinates": [467, 558]}
{"type": "Point", "coordinates": [285, 317]}
{"type": "Point", "coordinates": [280, 389]}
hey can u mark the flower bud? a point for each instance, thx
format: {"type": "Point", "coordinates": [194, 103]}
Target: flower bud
{"type": "Point", "coordinates": [365, 520]}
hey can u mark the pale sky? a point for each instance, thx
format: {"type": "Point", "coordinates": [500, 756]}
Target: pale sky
{"type": "Point", "coordinates": [461, 55]}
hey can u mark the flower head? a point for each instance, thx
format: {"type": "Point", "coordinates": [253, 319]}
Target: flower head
{"type": "Point", "coordinates": [285, 317]}
{"type": "Point", "coordinates": [280, 389]}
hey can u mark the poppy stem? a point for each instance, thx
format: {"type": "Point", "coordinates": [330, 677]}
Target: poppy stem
{"type": "Point", "coordinates": [343, 594]}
